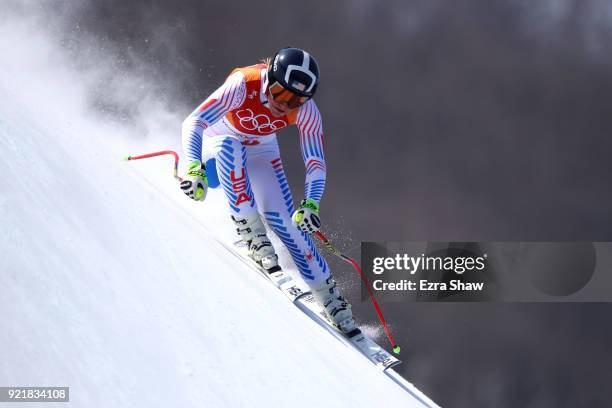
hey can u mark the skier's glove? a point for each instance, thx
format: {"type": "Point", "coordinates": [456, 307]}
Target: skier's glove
{"type": "Point", "coordinates": [306, 218]}
{"type": "Point", "coordinates": [194, 184]}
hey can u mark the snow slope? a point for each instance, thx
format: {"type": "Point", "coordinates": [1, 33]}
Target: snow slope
{"type": "Point", "coordinates": [114, 284]}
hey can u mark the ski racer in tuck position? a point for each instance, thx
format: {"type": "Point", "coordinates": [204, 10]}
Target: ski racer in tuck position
{"type": "Point", "coordinates": [234, 130]}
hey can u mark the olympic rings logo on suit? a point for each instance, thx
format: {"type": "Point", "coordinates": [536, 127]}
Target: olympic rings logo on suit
{"type": "Point", "coordinates": [261, 123]}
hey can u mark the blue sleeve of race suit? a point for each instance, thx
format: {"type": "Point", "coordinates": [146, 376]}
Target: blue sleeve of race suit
{"type": "Point", "coordinates": [310, 127]}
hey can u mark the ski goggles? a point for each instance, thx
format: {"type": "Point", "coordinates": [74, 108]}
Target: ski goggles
{"type": "Point", "coordinates": [281, 95]}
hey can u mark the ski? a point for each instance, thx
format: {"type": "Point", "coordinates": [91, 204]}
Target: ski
{"type": "Point", "coordinates": [299, 294]}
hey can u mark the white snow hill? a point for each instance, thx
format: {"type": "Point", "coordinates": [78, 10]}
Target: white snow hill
{"type": "Point", "coordinates": [114, 284]}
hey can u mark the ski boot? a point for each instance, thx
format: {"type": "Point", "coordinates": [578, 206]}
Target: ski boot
{"type": "Point", "coordinates": [337, 310]}
{"type": "Point", "coordinates": [253, 232]}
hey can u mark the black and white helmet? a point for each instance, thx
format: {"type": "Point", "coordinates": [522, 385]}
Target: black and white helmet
{"type": "Point", "coordinates": [295, 70]}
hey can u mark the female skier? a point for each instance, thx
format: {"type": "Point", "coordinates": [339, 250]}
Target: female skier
{"type": "Point", "coordinates": [234, 129]}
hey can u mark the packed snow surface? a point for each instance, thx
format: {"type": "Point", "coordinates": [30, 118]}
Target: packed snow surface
{"type": "Point", "coordinates": [115, 284]}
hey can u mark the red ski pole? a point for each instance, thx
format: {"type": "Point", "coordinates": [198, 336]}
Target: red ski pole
{"type": "Point", "coordinates": [160, 153]}
{"type": "Point", "coordinates": [345, 258]}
